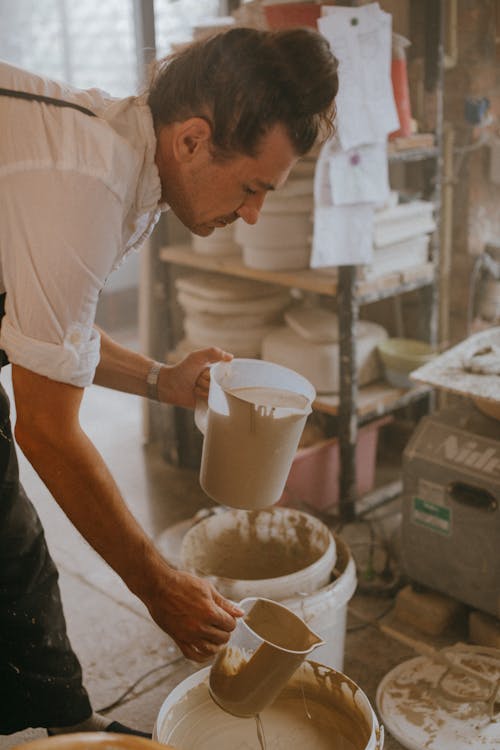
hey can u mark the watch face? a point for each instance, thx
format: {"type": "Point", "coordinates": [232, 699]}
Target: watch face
{"type": "Point", "coordinates": [152, 380]}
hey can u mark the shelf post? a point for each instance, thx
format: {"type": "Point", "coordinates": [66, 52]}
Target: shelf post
{"type": "Point", "coordinates": [348, 313]}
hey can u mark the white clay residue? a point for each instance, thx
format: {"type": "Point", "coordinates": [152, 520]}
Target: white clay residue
{"type": "Point", "coordinates": [331, 721]}
{"type": "Point", "coordinates": [255, 545]}
{"type": "Point", "coordinates": [244, 683]}
{"type": "Point", "coordinates": [271, 398]}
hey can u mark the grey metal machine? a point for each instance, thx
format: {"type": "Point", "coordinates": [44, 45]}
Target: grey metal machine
{"type": "Point", "coordinates": [451, 508]}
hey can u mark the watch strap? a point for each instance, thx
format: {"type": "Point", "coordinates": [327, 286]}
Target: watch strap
{"type": "Point", "coordinates": [152, 381]}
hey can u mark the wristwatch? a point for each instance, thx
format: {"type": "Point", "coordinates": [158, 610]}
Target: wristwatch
{"type": "Point", "coordinates": [152, 381]}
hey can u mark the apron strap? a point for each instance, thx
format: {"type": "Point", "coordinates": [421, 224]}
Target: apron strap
{"type": "Point", "coordinates": [45, 100]}
{"type": "Point", "coordinates": [3, 356]}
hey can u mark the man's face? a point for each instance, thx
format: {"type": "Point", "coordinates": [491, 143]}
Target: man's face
{"type": "Point", "coordinates": [205, 193]}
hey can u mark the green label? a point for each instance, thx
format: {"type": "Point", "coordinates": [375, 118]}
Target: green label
{"type": "Point", "coordinates": [433, 516]}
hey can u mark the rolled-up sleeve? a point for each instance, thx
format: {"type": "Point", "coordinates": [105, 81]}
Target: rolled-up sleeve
{"type": "Point", "coordinates": [60, 236]}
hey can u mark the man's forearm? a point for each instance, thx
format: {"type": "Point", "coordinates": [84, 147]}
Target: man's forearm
{"type": "Point", "coordinates": [48, 432]}
{"type": "Point", "coordinates": [79, 480]}
{"type": "Point", "coordinates": [122, 369]}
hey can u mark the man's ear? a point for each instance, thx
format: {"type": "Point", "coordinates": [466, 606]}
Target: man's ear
{"type": "Point", "coordinates": [191, 137]}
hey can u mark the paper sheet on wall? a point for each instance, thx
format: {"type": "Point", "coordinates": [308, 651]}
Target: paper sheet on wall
{"type": "Point", "coordinates": [361, 39]}
{"type": "Point", "coordinates": [359, 175]}
{"type": "Point", "coordinates": [343, 235]}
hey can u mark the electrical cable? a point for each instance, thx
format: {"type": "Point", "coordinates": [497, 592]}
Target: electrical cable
{"type": "Point", "coordinates": [132, 687]}
{"type": "Point", "coordinates": [372, 621]}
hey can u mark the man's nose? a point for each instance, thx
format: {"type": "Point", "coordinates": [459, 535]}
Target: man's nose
{"type": "Point", "coordinates": [250, 209]}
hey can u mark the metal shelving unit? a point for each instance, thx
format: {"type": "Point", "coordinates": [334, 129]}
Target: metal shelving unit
{"type": "Point", "coordinates": [354, 405]}
{"type": "Point", "coordinates": [351, 296]}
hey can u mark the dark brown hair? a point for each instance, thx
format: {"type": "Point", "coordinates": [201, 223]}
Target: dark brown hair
{"type": "Point", "coordinates": [244, 81]}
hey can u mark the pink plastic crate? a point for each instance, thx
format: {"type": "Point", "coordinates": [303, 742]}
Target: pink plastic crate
{"type": "Point", "coordinates": [314, 475]}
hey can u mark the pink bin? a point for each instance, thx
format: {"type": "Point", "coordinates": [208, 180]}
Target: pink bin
{"type": "Point", "coordinates": [314, 475]}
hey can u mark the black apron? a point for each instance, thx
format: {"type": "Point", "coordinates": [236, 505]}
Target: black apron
{"type": "Point", "coordinates": [40, 675]}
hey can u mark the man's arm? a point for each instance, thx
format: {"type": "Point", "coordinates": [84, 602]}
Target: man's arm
{"type": "Point", "coordinates": [125, 370]}
{"type": "Point", "coordinates": [49, 433]}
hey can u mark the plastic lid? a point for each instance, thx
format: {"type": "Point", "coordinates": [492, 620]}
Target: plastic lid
{"type": "Point", "coordinates": [425, 704]}
{"type": "Point", "coordinates": [218, 286]}
{"type": "Point", "coordinates": [314, 324]}
{"type": "Point", "coordinates": [320, 326]}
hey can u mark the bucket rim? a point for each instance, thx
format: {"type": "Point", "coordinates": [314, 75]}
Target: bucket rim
{"type": "Point", "coordinates": [375, 741]}
{"type": "Point", "coordinates": [330, 551]}
{"type": "Point", "coordinates": [308, 391]}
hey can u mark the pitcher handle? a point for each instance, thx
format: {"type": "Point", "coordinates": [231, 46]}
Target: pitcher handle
{"type": "Point", "coordinates": [201, 415]}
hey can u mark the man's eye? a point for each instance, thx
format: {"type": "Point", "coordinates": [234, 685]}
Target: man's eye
{"type": "Point", "coordinates": [249, 191]}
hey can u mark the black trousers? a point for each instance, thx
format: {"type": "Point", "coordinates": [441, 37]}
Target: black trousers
{"type": "Point", "coordinates": [40, 676]}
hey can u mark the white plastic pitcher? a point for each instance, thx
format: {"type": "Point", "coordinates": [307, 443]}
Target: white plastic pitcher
{"type": "Point", "coordinates": [252, 427]}
{"type": "Point", "coordinates": [265, 649]}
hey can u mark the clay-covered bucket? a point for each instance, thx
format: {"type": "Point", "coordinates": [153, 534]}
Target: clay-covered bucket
{"type": "Point", "coordinates": [275, 553]}
{"type": "Point", "coordinates": [93, 741]}
{"type": "Point", "coordinates": [319, 708]}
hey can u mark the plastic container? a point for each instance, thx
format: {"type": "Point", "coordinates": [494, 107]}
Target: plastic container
{"type": "Point", "coordinates": [401, 356]}
{"type": "Point", "coordinates": [316, 706]}
{"type": "Point", "coordinates": [319, 361]}
{"type": "Point", "coordinates": [220, 242]}
{"type": "Point", "coordinates": [314, 476]}
{"type": "Point", "coordinates": [289, 15]}
{"type": "Point", "coordinates": [265, 307]}
{"type": "Point", "coordinates": [276, 553]}
{"type": "Point", "coordinates": [322, 607]}
{"type": "Point", "coordinates": [252, 424]}
{"type": "Point", "coordinates": [325, 610]}
{"type": "Point", "coordinates": [240, 341]}
{"type": "Point", "coordinates": [93, 740]}
{"type": "Point", "coordinates": [290, 258]}
{"type": "Point", "coordinates": [276, 230]}
{"type": "Point", "coordinates": [268, 644]}
{"type": "Point", "coordinates": [399, 76]}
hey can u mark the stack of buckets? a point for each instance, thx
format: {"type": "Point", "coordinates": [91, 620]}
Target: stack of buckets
{"type": "Point", "coordinates": [281, 554]}
{"type": "Point", "coordinates": [234, 314]}
{"type": "Point", "coordinates": [291, 557]}
{"type": "Point", "coordinates": [256, 550]}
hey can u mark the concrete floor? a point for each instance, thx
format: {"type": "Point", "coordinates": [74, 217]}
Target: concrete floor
{"type": "Point", "coordinates": [109, 628]}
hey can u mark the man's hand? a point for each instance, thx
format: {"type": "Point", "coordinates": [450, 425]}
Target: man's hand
{"type": "Point", "coordinates": [183, 383]}
{"type": "Point", "coordinates": [194, 614]}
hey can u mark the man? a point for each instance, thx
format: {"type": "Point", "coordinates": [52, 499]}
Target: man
{"type": "Point", "coordinates": [82, 185]}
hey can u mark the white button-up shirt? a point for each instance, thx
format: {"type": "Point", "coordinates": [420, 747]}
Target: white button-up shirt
{"type": "Point", "coordinates": [77, 194]}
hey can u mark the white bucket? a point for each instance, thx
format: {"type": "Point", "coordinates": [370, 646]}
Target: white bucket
{"type": "Point", "coordinates": [325, 610]}
{"type": "Point", "coordinates": [309, 591]}
{"type": "Point", "coordinates": [277, 553]}
{"type": "Point", "coordinates": [319, 708]}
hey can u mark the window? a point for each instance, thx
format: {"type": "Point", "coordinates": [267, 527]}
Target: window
{"type": "Point", "coordinates": [90, 43]}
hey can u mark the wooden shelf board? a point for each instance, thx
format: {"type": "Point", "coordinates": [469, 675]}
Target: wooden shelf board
{"type": "Point", "coordinates": [308, 279]}
{"type": "Point", "coordinates": [375, 399]}
{"type": "Point", "coordinates": [393, 283]}
{"type": "Point", "coordinates": [320, 282]}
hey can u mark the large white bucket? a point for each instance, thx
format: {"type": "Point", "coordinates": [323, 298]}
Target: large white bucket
{"type": "Point", "coordinates": [317, 587]}
{"type": "Point", "coordinates": [325, 610]}
{"type": "Point", "coordinates": [274, 553]}
{"type": "Point", "coordinates": [319, 709]}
